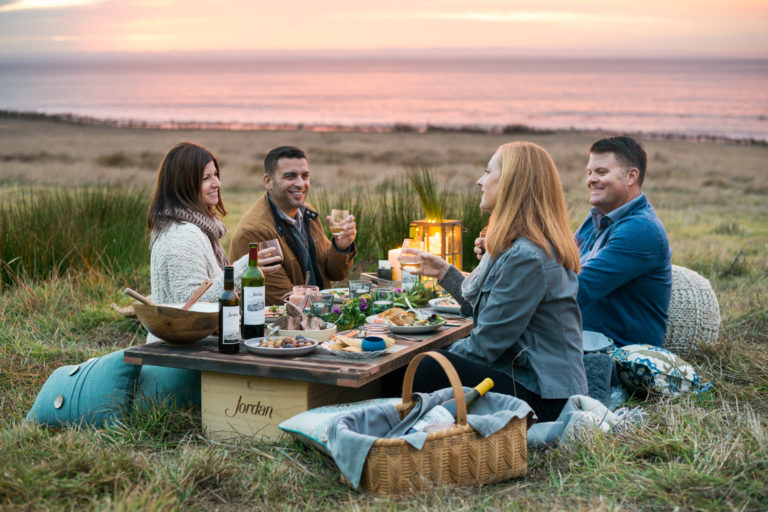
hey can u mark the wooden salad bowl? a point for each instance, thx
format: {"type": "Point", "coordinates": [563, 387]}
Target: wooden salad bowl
{"type": "Point", "coordinates": [178, 326]}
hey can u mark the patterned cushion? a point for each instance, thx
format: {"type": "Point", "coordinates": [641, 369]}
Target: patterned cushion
{"type": "Point", "coordinates": [646, 367]}
{"type": "Point", "coordinates": [311, 427]}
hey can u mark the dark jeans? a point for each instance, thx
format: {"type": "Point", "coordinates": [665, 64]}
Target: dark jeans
{"type": "Point", "coordinates": [431, 377]}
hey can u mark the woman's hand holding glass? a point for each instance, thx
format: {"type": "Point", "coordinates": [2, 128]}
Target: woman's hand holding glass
{"type": "Point", "coordinates": [479, 247]}
{"type": "Point", "coordinates": [343, 227]}
{"type": "Point", "coordinates": [432, 265]}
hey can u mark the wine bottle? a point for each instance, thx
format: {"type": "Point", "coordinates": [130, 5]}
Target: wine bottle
{"type": "Point", "coordinates": [254, 298]}
{"type": "Point", "coordinates": [229, 315]}
{"type": "Point", "coordinates": [445, 413]}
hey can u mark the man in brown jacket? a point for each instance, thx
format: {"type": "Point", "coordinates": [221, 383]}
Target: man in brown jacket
{"type": "Point", "coordinates": [283, 214]}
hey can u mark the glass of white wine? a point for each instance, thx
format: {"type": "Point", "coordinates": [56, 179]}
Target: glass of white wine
{"type": "Point", "coordinates": [275, 244]}
{"type": "Point", "coordinates": [410, 261]}
{"type": "Point", "coordinates": [337, 220]}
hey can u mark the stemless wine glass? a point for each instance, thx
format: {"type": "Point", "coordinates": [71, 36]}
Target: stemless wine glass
{"type": "Point", "coordinates": [266, 244]}
{"type": "Point", "coordinates": [358, 288]}
{"type": "Point", "coordinates": [411, 261]}
{"type": "Point", "coordinates": [383, 299]}
{"type": "Point", "coordinates": [337, 218]}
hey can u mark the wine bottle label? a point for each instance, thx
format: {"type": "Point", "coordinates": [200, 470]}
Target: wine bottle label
{"type": "Point", "coordinates": [230, 321]}
{"type": "Point", "coordinates": [409, 280]}
{"type": "Point", "coordinates": [437, 414]}
{"type": "Point", "coordinates": [254, 300]}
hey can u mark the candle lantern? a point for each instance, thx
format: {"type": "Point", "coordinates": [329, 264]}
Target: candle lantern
{"type": "Point", "coordinates": [440, 237]}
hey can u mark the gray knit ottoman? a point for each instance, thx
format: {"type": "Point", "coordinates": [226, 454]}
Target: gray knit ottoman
{"type": "Point", "coordinates": [694, 314]}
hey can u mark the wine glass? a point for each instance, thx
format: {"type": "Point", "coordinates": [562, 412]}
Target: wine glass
{"type": "Point", "coordinates": [266, 244]}
{"type": "Point", "coordinates": [337, 219]}
{"type": "Point", "coordinates": [410, 261]}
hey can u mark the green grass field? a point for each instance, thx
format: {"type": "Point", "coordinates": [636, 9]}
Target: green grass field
{"type": "Point", "coordinates": [697, 452]}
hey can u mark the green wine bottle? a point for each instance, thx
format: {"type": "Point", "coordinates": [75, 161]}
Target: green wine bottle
{"type": "Point", "coordinates": [229, 315]}
{"type": "Point", "coordinates": [254, 298]}
{"type": "Point", "coordinates": [470, 397]}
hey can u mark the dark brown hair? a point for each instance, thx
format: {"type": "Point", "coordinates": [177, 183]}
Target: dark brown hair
{"type": "Point", "coordinates": [628, 152]}
{"type": "Point", "coordinates": [179, 184]}
{"type": "Point", "coordinates": [270, 161]}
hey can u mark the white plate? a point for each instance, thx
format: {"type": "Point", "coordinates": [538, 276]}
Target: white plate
{"type": "Point", "coordinates": [335, 292]}
{"type": "Point", "coordinates": [253, 345]}
{"type": "Point", "coordinates": [442, 308]}
{"type": "Point", "coordinates": [406, 329]}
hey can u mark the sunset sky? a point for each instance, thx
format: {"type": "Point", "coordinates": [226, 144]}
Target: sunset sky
{"type": "Point", "coordinates": [654, 28]}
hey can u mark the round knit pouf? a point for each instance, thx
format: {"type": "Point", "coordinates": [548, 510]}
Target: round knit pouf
{"type": "Point", "coordinates": [694, 314]}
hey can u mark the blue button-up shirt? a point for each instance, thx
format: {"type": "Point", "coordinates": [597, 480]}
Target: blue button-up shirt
{"type": "Point", "coordinates": [626, 276]}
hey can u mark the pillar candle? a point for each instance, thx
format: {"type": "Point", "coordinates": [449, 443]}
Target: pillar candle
{"type": "Point", "coordinates": [395, 263]}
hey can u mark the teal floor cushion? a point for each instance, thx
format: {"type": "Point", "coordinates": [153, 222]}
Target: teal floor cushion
{"type": "Point", "coordinates": [94, 393]}
{"type": "Point", "coordinates": [173, 385]}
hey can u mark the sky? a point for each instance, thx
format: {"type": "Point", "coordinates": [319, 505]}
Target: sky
{"type": "Point", "coordinates": [562, 28]}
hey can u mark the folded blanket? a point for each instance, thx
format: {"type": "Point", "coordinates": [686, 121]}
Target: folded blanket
{"type": "Point", "coordinates": [599, 367]}
{"type": "Point", "coordinates": [580, 413]}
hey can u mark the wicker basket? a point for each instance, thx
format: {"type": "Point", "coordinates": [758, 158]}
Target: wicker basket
{"type": "Point", "coordinates": [456, 456]}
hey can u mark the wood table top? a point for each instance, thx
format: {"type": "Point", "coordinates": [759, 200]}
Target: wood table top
{"type": "Point", "coordinates": [314, 367]}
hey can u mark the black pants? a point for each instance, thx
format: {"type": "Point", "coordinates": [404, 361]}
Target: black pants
{"type": "Point", "coordinates": [431, 377]}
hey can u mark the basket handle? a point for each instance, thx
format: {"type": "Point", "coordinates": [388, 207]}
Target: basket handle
{"type": "Point", "coordinates": [453, 377]}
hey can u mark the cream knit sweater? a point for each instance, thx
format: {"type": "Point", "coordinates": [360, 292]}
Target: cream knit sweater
{"type": "Point", "coordinates": [182, 258]}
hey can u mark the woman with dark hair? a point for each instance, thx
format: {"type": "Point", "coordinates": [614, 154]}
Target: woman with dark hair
{"type": "Point", "coordinates": [522, 296]}
{"type": "Point", "coordinates": [186, 231]}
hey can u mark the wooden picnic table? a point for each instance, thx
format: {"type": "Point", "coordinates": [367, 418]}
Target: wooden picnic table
{"type": "Point", "coordinates": [249, 394]}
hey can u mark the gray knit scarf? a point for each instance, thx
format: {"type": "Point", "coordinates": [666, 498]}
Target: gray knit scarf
{"type": "Point", "coordinates": [213, 228]}
{"type": "Point", "coordinates": [470, 287]}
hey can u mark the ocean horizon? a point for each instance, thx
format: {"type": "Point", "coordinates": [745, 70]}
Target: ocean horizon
{"type": "Point", "coordinates": [716, 98]}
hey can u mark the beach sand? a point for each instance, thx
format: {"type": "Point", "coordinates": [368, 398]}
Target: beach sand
{"type": "Point", "coordinates": [56, 152]}
{"type": "Point", "coordinates": [681, 173]}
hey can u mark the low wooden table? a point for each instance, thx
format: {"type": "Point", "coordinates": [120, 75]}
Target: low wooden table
{"type": "Point", "coordinates": [250, 395]}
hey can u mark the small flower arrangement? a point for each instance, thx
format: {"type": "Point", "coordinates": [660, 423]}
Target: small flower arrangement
{"type": "Point", "coordinates": [352, 313]}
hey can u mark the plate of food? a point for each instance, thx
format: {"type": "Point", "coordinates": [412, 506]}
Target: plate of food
{"type": "Point", "coordinates": [404, 322]}
{"type": "Point", "coordinates": [445, 305]}
{"type": "Point", "coordinates": [272, 313]}
{"type": "Point", "coordinates": [339, 294]}
{"type": "Point", "coordinates": [281, 346]}
{"type": "Point", "coordinates": [350, 347]}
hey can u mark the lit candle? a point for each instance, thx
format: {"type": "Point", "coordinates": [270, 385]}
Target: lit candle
{"type": "Point", "coordinates": [395, 263]}
{"type": "Point", "coordinates": [435, 244]}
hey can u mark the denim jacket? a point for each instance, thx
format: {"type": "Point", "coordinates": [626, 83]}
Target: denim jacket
{"type": "Point", "coordinates": [527, 322]}
{"type": "Point", "coordinates": [625, 282]}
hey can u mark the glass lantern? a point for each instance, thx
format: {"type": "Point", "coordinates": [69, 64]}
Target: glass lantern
{"type": "Point", "coordinates": [442, 238]}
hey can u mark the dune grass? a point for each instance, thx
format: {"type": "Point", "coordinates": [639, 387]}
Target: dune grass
{"type": "Point", "coordinates": [696, 452]}
{"type": "Point", "coordinates": [383, 214]}
{"type": "Point", "coordinates": [46, 232]}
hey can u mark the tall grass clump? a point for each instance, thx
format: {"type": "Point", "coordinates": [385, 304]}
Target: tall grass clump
{"type": "Point", "coordinates": [46, 232]}
{"type": "Point", "coordinates": [384, 213]}
{"type": "Point", "coordinates": [432, 198]}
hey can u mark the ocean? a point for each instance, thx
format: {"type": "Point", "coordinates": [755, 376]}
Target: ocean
{"type": "Point", "coordinates": [718, 98]}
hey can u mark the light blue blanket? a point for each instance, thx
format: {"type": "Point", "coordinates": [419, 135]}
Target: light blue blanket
{"type": "Point", "coordinates": [581, 413]}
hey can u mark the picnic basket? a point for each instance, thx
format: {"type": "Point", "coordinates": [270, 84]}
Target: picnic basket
{"type": "Point", "coordinates": [456, 456]}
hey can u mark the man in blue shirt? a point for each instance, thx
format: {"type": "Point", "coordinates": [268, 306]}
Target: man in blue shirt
{"type": "Point", "coordinates": [626, 278]}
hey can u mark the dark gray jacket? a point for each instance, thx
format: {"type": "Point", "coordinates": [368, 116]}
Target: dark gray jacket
{"type": "Point", "coordinates": [527, 322]}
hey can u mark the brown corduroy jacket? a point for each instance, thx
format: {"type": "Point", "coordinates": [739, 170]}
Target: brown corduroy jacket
{"type": "Point", "coordinates": [258, 224]}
